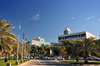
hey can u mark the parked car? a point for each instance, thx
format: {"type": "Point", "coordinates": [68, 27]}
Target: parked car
{"type": "Point", "coordinates": [3, 57]}
{"type": "Point", "coordinates": [57, 57]}
{"type": "Point", "coordinates": [37, 57]}
{"type": "Point", "coordinates": [93, 58]}
{"type": "Point", "coordinates": [31, 57]}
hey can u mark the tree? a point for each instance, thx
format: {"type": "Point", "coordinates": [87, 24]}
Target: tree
{"type": "Point", "coordinates": [34, 49]}
{"type": "Point", "coordinates": [69, 46]}
{"type": "Point", "coordinates": [61, 49]}
{"type": "Point", "coordinates": [89, 45]}
{"type": "Point", "coordinates": [6, 38]}
{"type": "Point", "coordinates": [77, 48]}
{"type": "Point", "coordinates": [42, 49]}
{"type": "Point", "coordinates": [82, 46]}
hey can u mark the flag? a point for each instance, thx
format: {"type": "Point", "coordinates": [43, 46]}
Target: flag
{"type": "Point", "coordinates": [23, 34]}
{"type": "Point", "coordinates": [28, 40]}
{"type": "Point", "coordinates": [19, 30]}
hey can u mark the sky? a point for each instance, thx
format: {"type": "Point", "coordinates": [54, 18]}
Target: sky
{"type": "Point", "coordinates": [49, 18]}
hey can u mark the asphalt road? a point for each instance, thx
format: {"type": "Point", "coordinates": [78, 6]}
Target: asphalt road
{"type": "Point", "coordinates": [45, 63]}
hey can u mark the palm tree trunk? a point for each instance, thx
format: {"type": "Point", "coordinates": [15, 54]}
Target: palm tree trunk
{"type": "Point", "coordinates": [86, 54]}
{"type": "Point", "coordinates": [77, 58]}
{"type": "Point", "coordinates": [6, 59]}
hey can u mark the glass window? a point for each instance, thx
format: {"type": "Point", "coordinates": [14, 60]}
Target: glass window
{"type": "Point", "coordinates": [83, 35]}
{"type": "Point", "coordinates": [60, 38]}
{"type": "Point", "coordinates": [71, 37]}
{"type": "Point", "coordinates": [65, 32]}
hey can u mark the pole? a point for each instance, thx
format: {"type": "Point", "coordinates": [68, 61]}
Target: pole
{"type": "Point", "coordinates": [22, 52]}
{"type": "Point", "coordinates": [17, 50]}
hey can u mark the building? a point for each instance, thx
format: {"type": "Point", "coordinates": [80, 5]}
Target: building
{"type": "Point", "coordinates": [55, 47]}
{"type": "Point", "coordinates": [68, 35]}
{"type": "Point", "coordinates": [56, 44]}
{"type": "Point", "coordinates": [39, 41]}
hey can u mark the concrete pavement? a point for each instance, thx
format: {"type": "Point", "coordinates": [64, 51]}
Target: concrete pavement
{"type": "Point", "coordinates": [44, 63]}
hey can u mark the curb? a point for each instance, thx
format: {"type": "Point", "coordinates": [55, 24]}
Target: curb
{"type": "Point", "coordinates": [24, 63]}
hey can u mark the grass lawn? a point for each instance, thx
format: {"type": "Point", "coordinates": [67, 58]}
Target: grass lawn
{"type": "Point", "coordinates": [80, 62]}
{"type": "Point", "coordinates": [2, 63]}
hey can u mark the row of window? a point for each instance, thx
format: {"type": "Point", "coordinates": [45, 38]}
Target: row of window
{"type": "Point", "coordinates": [57, 45]}
{"type": "Point", "coordinates": [71, 37]}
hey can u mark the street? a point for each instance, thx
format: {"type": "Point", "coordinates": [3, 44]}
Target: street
{"type": "Point", "coordinates": [44, 63]}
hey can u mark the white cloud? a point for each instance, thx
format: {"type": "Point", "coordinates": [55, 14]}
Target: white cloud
{"type": "Point", "coordinates": [13, 27]}
{"type": "Point", "coordinates": [36, 17]}
{"type": "Point", "coordinates": [98, 19]}
{"type": "Point", "coordinates": [90, 18]}
{"type": "Point", "coordinates": [72, 17]}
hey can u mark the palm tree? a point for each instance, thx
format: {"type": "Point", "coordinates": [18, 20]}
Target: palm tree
{"type": "Point", "coordinates": [85, 46]}
{"type": "Point", "coordinates": [61, 49]}
{"type": "Point", "coordinates": [34, 49]}
{"type": "Point", "coordinates": [6, 38]}
{"type": "Point", "coordinates": [77, 48]}
{"type": "Point", "coordinates": [69, 46]}
{"type": "Point", "coordinates": [89, 46]}
{"type": "Point", "coordinates": [42, 49]}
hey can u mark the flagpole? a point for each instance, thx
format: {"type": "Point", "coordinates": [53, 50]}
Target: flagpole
{"type": "Point", "coordinates": [25, 50]}
{"type": "Point", "coordinates": [17, 51]}
{"type": "Point", "coordinates": [22, 52]}
{"type": "Point", "coordinates": [18, 46]}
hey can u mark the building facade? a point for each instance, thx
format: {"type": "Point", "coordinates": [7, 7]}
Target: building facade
{"type": "Point", "coordinates": [68, 35]}
{"type": "Point", "coordinates": [39, 41]}
{"type": "Point", "coordinates": [56, 44]}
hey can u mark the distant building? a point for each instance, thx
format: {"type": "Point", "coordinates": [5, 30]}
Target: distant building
{"type": "Point", "coordinates": [39, 41]}
{"type": "Point", "coordinates": [68, 35]}
{"type": "Point", "coordinates": [56, 44]}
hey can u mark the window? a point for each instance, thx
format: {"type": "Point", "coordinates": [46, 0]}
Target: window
{"type": "Point", "coordinates": [71, 37]}
{"type": "Point", "coordinates": [79, 36]}
{"type": "Point", "coordinates": [83, 35]}
{"type": "Point", "coordinates": [65, 32]}
{"type": "Point", "coordinates": [60, 38]}
{"type": "Point", "coordinates": [63, 37]}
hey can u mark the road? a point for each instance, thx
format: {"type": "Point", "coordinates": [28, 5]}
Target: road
{"type": "Point", "coordinates": [44, 63]}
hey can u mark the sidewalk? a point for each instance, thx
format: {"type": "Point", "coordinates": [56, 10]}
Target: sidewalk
{"type": "Point", "coordinates": [30, 63]}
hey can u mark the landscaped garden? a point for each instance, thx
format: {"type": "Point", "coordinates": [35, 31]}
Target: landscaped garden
{"type": "Point", "coordinates": [12, 61]}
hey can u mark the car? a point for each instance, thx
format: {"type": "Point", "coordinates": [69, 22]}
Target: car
{"type": "Point", "coordinates": [57, 57]}
{"type": "Point", "coordinates": [31, 57]}
{"type": "Point", "coordinates": [93, 58]}
{"type": "Point", "coordinates": [37, 57]}
{"type": "Point", "coordinates": [3, 57]}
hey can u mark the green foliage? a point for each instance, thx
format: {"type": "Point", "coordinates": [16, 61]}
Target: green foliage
{"type": "Point", "coordinates": [82, 47]}
{"type": "Point", "coordinates": [7, 39]}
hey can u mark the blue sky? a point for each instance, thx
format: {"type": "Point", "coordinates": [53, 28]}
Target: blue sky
{"type": "Point", "coordinates": [49, 18]}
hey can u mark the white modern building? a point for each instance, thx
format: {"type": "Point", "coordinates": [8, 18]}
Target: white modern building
{"type": "Point", "coordinates": [68, 35]}
{"type": "Point", "coordinates": [39, 41]}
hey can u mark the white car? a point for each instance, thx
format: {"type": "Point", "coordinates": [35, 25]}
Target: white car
{"type": "Point", "coordinates": [3, 57]}
{"type": "Point", "coordinates": [37, 57]}
{"type": "Point", "coordinates": [93, 58]}
{"type": "Point", "coordinates": [57, 57]}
